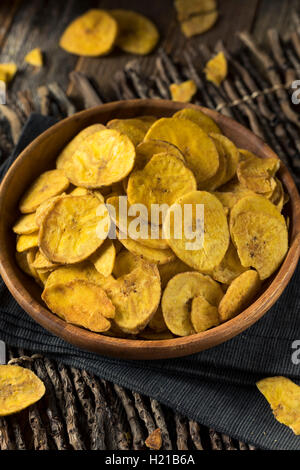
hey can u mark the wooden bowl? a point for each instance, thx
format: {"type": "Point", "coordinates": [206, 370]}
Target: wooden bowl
{"type": "Point", "coordinates": [40, 155]}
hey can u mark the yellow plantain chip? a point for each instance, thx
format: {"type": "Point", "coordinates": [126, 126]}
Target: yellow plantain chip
{"type": "Point", "coordinates": [283, 396]}
{"type": "Point", "coordinates": [205, 246]}
{"type": "Point", "coordinates": [26, 224]}
{"type": "Point", "coordinates": [34, 57]}
{"type": "Point", "coordinates": [140, 232]}
{"type": "Point", "coordinates": [258, 174]}
{"type": "Point", "coordinates": [146, 150]}
{"type": "Point", "coordinates": [178, 295]}
{"type": "Point", "coordinates": [104, 258]}
{"type": "Point", "coordinates": [229, 268]}
{"type": "Point", "coordinates": [169, 270]}
{"type": "Point", "coordinates": [163, 180]}
{"type": "Point", "coordinates": [41, 262]}
{"type": "Point", "coordinates": [239, 294]}
{"type": "Point", "coordinates": [157, 323]}
{"type": "Point", "coordinates": [203, 314]}
{"type": "Point", "coordinates": [25, 242]}
{"type": "Point", "coordinates": [184, 91]}
{"type": "Point", "coordinates": [137, 34]}
{"type": "Point", "coordinates": [134, 128]}
{"type": "Point", "coordinates": [216, 69]}
{"type": "Point", "coordinates": [154, 440]}
{"type": "Point", "coordinates": [48, 184]}
{"type": "Point", "coordinates": [73, 228]}
{"type": "Point", "coordinates": [259, 233]}
{"type": "Point", "coordinates": [246, 155]}
{"type": "Point", "coordinates": [44, 207]}
{"type": "Point", "coordinates": [7, 72]}
{"type": "Point", "coordinates": [199, 118]}
{"type": "Point", "coordinates": [103, 158]}
{"type": "Point", "coordinates": [30, 255]}
{"type": "Point", "coordinates": [22, 260]}
{"type": "Point", "coordinates": [187, 8]}
{"type": "Point", "coordinates": [231, 155]}
{"type": "Point", "coordinates": [79, 192]}
{"type": "Point", "coordinates": [81, 303]}
{"type": "Point", "coordinates": [136, 297]}
{"type": "Point", "coordinates": [199, 24]}
{"type": "Point", "coordinates": [230, 198]}
{"type": "Point", "coordinates": [278, 196]}
{"type": "Point", "coordinates": [197, 147]}
{"type": "Point", "coordinates": [92, 34]}
{"type": "Point", "coordinates": [220, 177]}
{"type": "Point", "coordinates": [126, 262]}
{"type": "Point", "coordinates": [43, 276]}
{"type": "Point", "coordinates": [151, 255]}
{"type": "Point", "coordinates": [85, 271]}
{"type": "Point", "coordinates": [72, 146]}
{"type": "Point", "coordinates": [19, 388]}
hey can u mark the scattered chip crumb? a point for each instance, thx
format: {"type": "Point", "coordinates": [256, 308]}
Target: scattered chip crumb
{"type": "Point", "coordinates": [35, 57]}
{"type": "Point", "coordinates": [184, 91]}
{"type": "Point", "coordinates": [154, 440]}
{"type": "Point", "coordinates": [7, 72]}
{"type": "Point", "coordinates": [216, 69]}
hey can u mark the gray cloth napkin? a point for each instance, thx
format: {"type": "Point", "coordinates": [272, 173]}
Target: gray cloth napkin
{"type": "Point", "coordinates": [214, 387]}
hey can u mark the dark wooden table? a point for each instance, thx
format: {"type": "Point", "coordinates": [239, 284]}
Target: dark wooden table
{"type": "Point", "coordinates": [39, 23]}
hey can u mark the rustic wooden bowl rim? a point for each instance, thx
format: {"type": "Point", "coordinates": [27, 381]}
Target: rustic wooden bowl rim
{"type": "Point", "coordinates": [152, 349]}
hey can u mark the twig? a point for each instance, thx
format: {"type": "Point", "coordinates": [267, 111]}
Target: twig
{"type": "Point", "coordinates": [161, 423]}
{"type": "Point", "coordinates": [181, 431]}
{"type": "Point", "coordinates": [215, 440]}
{"type": "Point", "coordinates": [85, 88]}
{"type": "Point", "coordinates": [195, 434]}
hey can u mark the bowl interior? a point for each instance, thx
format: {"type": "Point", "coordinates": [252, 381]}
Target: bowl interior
{"type": "Point", "coordinates": [41, 155]}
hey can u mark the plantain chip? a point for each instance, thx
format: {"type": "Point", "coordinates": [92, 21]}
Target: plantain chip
{"type": "Point", "coordinates": [178, 295]}
{"type": "Point", "coordinates": [259, 233]}
{"type": "Point", "coordinates": [199, 118]}
{"type": "Point", "coordinates": [48, 184]}
{"type": "Point", "coordinates": [278, 196]}
{"type": "Point", "coordinates": [85, 271]}
{"type": "Point", "coordinates": [231, 155]}
{"type": "Point", "coordinates": [169, 270]}
{"type": "Point", "coordinates": [92, 34]}
{"type": "Point", "coordinates": [73, 228]}
{"type": "Point", "coordinates": [43, 276]}
{"type": "Point", "coordinates": [151, 255]}
{"type": "Point", "coordinates": [137, 34]}
{"type": "Point", "coordinates": [25, 242]}
{"type": "Point", "coordinates": [162, 181]}
{"type": "Point", "coordinates": [197, 147]}
{"type": "Point", "coordinates": [8, 71]}
{"type": "Point", "coordinates": [41, 262]}
{"type": "Point", "coordinates": [187, 8]}
{"type": "Point", "coordinates": [80, 192]}
{"type": "Point", "coordinates": [199, 24]}
{"type": "Point", "coordinates": [81, 303]}
{"type": "Point", "coordinates": [239, 294]}
{"type": "Point", "coordinates": [134, 128]}
{"type": "Point", "coordinates": [230, 198]}
{"type": "Point", "coordinates": [258, 174]}
{"type": "Point", "coordinates": [142, 232]}
{"type": "Point", "coordinates": [157, 323]}
{"type": "Point", "coordinates": [22, 260]}
{"type": "Point", "coordinates": [125, 263]}
{"type": "Point", "coordinates": [220, 177]}
{"type": "Point", "coordinates": [184, 91]}
{"type": "Point", "coordinates": [216, 69]}
{"type": "Point", "coordinates": [208, 251]}
{"type": "Point", "coordinates": [203, 314]}
{"type": "Point", "coordinates": [146, 150]}
{"type": "Point", "coordinates": [71, 147]}
{"type": "Point", "coordinates": [283, 396]}
{"type": "Point", "coordinates": [229, 268]}
{"type": "Point", "coordinates": [26, 225]}
{"type": "Point", "coordinates": [44, 207]}
{"type": "Point", "coordinates": [103, 158]}
{"type": "Point", "coordinates": [136, 297]}
{"type": "Point", "coordinates": [19, 388]}
{"type": "Point", "coordinates": [34, 57]}
{"type": "Point", "coordinates": [104, 258]}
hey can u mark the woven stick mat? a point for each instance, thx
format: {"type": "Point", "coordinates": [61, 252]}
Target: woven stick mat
{"type": "Point", "coordinates": [80, 411]}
